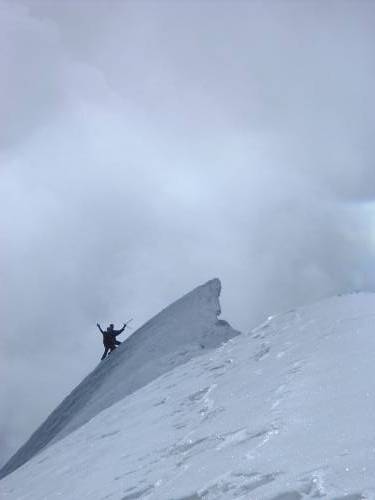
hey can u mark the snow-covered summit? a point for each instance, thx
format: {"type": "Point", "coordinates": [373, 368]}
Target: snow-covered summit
{"type": "Point", "coordinates": [284, 413]}
{"type": "Point", "coordinates": [181, 331]}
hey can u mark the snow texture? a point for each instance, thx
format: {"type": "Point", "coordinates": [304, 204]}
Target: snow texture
{"type": "Point", "coordinates": [181, 331]}
{"type": "Point", "coordinates": [283, 413]}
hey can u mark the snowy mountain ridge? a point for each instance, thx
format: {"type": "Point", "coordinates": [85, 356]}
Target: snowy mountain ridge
{"type": "Point", "coordinates": [285, 412]}
{"type": "Point", "coordinates": [178, 333]}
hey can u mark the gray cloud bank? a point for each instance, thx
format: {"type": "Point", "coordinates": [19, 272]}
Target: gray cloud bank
{"type": "Point", "coordinates": [148, 146]}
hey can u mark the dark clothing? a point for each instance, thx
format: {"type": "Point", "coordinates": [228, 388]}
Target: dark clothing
{"type": "Point", "coordinates": [107, 348]}
{"type": "Point", "coordinates": [109, 339]}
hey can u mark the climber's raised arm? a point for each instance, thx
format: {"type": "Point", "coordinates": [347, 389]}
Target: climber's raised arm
{"type": "Point", "coordinates": [117, 332]}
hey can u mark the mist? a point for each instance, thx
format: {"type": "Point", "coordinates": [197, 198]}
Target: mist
{"type": "Point", "coordinates": [146, 147]}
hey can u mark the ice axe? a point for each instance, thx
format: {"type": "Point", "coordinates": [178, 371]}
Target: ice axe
{"type": "Point", "coordinates": [126, 324]}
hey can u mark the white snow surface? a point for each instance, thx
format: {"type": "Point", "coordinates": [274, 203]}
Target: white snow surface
{"type": "Point", "coordinates": [285, 412]}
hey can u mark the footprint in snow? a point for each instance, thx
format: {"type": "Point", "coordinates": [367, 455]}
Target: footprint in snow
{"type": "Point", "coordinates": [199, 395]}
{"type": "Point", "coordinates": [263, 351]}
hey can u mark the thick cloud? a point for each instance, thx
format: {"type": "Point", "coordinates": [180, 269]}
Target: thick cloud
{"type": "Point", "coordinates": [149, 146]}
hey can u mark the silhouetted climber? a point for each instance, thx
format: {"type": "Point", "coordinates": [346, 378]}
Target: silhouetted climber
{"type": "Point", "coordinates": [109, 338]}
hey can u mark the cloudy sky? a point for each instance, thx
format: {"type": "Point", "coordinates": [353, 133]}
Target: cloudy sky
{"type": "Point", "coordinates": [146, 147]}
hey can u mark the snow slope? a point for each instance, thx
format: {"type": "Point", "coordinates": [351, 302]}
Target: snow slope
{"type": "Point", "coordinates": [286, 412]}
{"type": "Point", "coordinates": [181, 331]}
